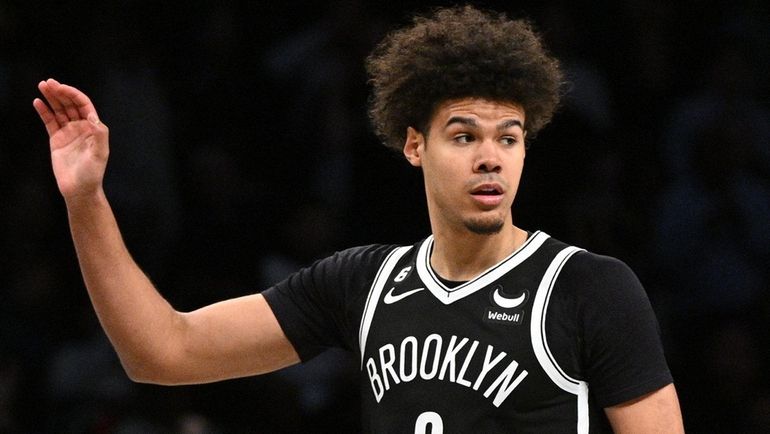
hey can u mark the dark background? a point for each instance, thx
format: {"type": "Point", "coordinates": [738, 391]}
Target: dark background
{"type": "Point", "coordinates": [240, 151]}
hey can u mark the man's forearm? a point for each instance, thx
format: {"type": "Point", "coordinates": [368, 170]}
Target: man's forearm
{"type": "Point", "coordinates": [138, 321]}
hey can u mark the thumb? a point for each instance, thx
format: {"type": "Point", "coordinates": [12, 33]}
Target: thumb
{"type": "Point", "coordinates": [100, 130]}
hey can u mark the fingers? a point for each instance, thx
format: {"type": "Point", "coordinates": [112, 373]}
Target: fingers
{"type": "Point", "coordinates": [49, 90]}
{"type": "Point", "coordinates": [64, 104]}
{"type": "Point", "coordinates": [67, 102]}
{"type": "Point", "coordinates": [48, 118]}
{"type": "Point", "coordinates": [78, 100]}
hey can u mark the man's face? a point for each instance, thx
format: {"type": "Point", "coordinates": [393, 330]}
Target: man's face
{"type": "Point", "coordinates": [472, 159]}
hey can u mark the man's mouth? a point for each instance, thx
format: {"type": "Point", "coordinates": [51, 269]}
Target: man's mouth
{"type": "Point", "coordinates": [487, 190]}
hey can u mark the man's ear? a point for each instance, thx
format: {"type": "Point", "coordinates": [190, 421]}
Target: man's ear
{"type": "Point", "coordinates": [414, 146]}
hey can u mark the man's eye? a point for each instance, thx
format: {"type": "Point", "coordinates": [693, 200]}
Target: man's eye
{"type": "Point", "coordinates": [463, 138]}
{"type": "Point", "coordinates": [508, 140]}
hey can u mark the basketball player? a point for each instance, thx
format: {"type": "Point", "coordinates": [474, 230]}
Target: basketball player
{"type": "Point", "coordinates": [480, 327]}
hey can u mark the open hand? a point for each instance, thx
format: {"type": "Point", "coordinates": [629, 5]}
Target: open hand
{"type": "Point", "coordinates": [79, 141]}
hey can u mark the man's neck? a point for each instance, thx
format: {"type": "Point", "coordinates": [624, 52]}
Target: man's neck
{"type": "Point", "coordinates": [463, 256]}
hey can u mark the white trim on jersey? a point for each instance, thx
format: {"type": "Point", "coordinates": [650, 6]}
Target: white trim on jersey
{"type": "Point", "coordinates": [450, 295]}
{"type": "Point", "coordinates": [374, 295]}
{"type": "Point", "coordinates": [540, 343]}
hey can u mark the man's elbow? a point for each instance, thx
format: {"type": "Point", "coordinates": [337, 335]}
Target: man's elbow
{"type": "Point", "coordinates": [149, 371]}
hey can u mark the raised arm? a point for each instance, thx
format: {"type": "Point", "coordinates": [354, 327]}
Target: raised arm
{"type": "Point", "coordinates": [155, 343]}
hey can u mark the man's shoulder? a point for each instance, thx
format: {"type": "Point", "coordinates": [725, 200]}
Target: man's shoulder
{"type": "Point", "coordinates": [367, 253]}
{"type": "Point", "coordinates": [594, 264]}
{"type": "Point", "coordinates": [359, 260]}
{"type": "Point", "coordinates": [587, 270]}
{"type": "Point", "coordinates": [587, 260]}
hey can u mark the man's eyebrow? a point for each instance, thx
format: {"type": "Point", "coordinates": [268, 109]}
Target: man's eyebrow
{"type": "Point", "coordinates": [510, 123]}
{"type": "Point", "coordinates": [472, 123]}
{"type": "Point", "coordinates": [462, 120]}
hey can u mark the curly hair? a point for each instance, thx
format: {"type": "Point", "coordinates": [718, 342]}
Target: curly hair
{"type": "Point", "coordinates": [459, 52]}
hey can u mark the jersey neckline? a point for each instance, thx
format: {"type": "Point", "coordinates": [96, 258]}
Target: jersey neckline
{"type": "Point", "coordinates": [449, 295]}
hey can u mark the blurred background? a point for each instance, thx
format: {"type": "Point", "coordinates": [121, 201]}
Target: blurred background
{"type": "Point", "coordinates": [241, 150]}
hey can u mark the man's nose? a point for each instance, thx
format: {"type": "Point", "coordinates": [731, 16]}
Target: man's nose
{"type": "Point", "coordinates": [487, 159]}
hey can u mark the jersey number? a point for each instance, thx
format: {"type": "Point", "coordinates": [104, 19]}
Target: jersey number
{"type": "Point", "coordinates": [402, 274]}
{"type": "Point", "coordinates": [431, 419]}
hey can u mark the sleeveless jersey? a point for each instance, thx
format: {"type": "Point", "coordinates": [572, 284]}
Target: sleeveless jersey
{"type": "Point", "coordinates": [473, 358]}
{"type": "Point", "coordinates": [491, 355]}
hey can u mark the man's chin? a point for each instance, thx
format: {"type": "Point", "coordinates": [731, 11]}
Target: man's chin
{"type": "Point", "coordinates": [485, 226]}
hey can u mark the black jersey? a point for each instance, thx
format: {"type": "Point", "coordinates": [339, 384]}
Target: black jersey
{"type": "Point", "coordinates": [540, 342]}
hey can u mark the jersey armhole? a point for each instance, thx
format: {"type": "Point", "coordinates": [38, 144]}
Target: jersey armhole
{"type": "Point", "coordinates": [540, 343]}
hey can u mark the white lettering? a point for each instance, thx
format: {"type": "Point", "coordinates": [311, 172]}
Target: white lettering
{"type": "Point", "coordinates": [449, 358]}
{"type": "Point", "coordinates": [412, 341]}
{"type": "Point", "coordinates": [487, 366]}
{"type": "Point", "coordinates": [504, 381]}
{"type": "Point", "coordinates": [387, 365]}
{"type": "Point", "coordinates": [432, 360]}
{"type": "Point", "coordinates": [466, 362]}
{"type": "Point", "coordinates": [374, 379]}
{"type": "Point", "coordinates": [426, 353]}
{"type": "Point", "coordinates": [497, 316]}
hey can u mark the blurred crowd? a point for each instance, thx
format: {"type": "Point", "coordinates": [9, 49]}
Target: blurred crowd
{"type": "Point", "coordinates": [241, 151]}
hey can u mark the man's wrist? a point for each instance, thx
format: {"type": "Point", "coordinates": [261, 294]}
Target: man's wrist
{"type": "Point", "coordinates": [86, 200]}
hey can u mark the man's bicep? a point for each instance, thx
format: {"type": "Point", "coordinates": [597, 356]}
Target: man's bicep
{"type": "Point", "coordinates": [234, 338]}
{"type": "Point", "coordinates": [655, 412]}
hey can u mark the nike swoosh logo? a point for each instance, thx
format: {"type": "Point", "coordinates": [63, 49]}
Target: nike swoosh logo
{"type": "Point", "coordinates": [508, 303]}
{"type": "Point", "coordinates": [390, 298]}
